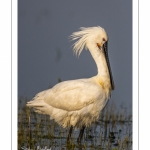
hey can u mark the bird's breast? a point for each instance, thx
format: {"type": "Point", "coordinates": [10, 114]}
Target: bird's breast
{"type": "Point", "coordinates": [101, 83]}
{"type": "Point", "coordinates": [104, 84]}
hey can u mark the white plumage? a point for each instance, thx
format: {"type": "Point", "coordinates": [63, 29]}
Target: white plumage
{"type": "Point", "coordinates": [79, 102]}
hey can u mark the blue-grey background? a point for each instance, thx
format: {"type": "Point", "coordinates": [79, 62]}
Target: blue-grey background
{"type": "Point", "coordinates": [45, 53]}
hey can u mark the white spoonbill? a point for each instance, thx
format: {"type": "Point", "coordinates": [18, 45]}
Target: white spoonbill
{"type": "Point", "coordinates": [78, 103]}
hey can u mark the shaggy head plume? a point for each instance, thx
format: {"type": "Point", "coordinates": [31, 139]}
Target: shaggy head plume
{"type": "Point", "coordinates": [83, 37]}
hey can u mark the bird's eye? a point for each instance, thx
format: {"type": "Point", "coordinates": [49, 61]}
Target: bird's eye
{"type": "Point", "coordinates": [104, 39]}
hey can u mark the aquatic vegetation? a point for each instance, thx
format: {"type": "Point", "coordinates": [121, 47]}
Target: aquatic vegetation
{"type": "Point", "coordinates": [113, 131]}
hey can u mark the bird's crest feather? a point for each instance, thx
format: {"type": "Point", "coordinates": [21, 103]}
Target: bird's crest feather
{"type": "Point", "coordinates": [82, 37]}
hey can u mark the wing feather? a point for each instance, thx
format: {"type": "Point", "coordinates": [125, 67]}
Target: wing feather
{"type": "Point", "coordinates": [71, 95]}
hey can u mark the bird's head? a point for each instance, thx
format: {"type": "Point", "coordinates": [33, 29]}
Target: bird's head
{"type": "Point", "coordinates": [86, 37]}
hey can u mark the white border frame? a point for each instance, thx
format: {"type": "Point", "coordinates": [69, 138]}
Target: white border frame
{"type": "Point", "coordinates": [5, 74]}
{"type": "Point", "coordinates": [14, 75]}
{"type": "Point", "coordinates": [144, 75]}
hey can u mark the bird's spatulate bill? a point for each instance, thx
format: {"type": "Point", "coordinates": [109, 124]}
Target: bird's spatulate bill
{"type": "Point", "coordinates": [105, 48]}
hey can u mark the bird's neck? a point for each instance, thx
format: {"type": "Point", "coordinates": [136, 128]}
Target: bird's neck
{"type": "Point", "coordinates": [100, 60]}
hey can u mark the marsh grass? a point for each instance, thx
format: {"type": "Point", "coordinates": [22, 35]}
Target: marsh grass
{"type": "Point", "coordinates": [113, 131]}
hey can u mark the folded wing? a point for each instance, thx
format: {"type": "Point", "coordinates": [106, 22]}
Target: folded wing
{"type": "Point", "coordinates": [71, 95]}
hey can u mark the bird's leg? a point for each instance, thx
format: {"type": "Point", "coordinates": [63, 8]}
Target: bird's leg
{"type": "Point", "coordinates": [69, 134]}
{"type": "Point", "coordinates": [80, 135]}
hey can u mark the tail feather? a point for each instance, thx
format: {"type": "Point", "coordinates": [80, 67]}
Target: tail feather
{"type": "Point", "coordinates": [41, 107]}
